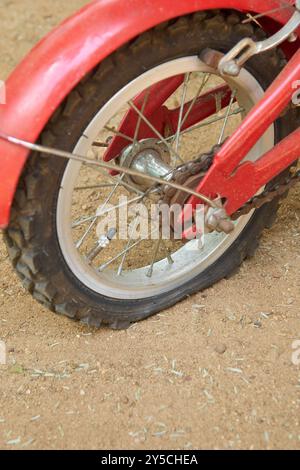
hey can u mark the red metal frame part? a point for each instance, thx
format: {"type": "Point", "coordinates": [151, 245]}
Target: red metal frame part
{"type": "Point", "coordinates": [55, 66]}
{"type": "Point", "coordinates": [237, 184]}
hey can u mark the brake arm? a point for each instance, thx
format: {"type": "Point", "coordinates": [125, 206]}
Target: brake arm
{"type": "Point", "coordinates": [232, 63]}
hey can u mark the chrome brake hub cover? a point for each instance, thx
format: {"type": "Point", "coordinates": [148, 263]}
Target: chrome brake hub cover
{"type": "Point", "coordinates": [147, 156]}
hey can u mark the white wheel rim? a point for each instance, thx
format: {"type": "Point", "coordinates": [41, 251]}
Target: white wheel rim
{"type": "Point", "coordinates": [135, 284]}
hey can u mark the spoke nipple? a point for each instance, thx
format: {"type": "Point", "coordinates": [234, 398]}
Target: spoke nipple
{"type": "Point", "coordinates": [105, 240]}
{"type": "Point", "coordinates": [119, 273]}
{"type": "Point", "coordinates": [102, 268]}
{"type": "Point", "coordinates": [170, 260]}
{"type": "Point", "coordinates": [150, 272]}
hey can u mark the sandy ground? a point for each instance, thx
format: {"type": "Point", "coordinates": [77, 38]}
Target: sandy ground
{"type": "Point", "coordinates": [213, 372]}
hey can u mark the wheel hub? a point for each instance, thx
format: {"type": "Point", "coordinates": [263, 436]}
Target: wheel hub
{"type": "Point", "coordinates": [149, 157]}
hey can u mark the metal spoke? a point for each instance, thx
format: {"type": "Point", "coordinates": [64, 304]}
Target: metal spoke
{"type": "Point", "coordinates": [94, 221]}
{"type": "Point", "coordinates": [218, 102]}
{"type": "Point", "coordinates": [118, 133]}
{"type": "Point", "coordinates": [127, 250]}
{"type": "Point", "coordinates": [233, 95]}
{"type": "Point", "coordinates": [113, 178]}
{"type": "Point", "coordinates": [100, 144]}
{"type": "Point", "coordinates": [120, 270]}
{"type": "Point", "coordinates": [168, 253]}
{"type": "Point", "coordinates": [137, 129]}
{"type": "Point", "coordinates": [208, 122]}
{"type": "Point", "coordinates": [107, 211]}
{"type": "Point", "coordinates": [156, 250]}
{"type": "Point", "coordinates": [184, 92]}
{"type": "Point", "coordinates": [87, 232]}
{"type": "Point", "coordinates": [132, 105]}
{"type": "Point", "coordinates": [97, 186]}
{"type": "Point", "coordinates": [169, 256]}
{"type": "Point", "coordinates": [121, 267]}
{"type": "Point", "coordinates": [203, 84]}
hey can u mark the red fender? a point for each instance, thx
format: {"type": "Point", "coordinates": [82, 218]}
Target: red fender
{"type": "Point", "coordinates": [57, 64]}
